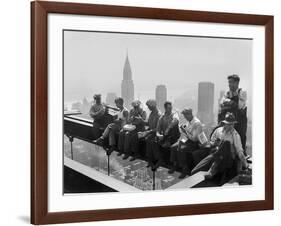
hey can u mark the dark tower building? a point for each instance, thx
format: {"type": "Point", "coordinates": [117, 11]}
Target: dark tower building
{"type": "Point", "coordinates": [161, 96]}
{"type": "Point", "coordinates": [127, 86]}
{"type": "Point", "coordinates": [206, 102]}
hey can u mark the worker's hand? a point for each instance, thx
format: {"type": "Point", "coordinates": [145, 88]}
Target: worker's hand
{"type": "Point", "coordinates": [217, 142]}
{"type": "Point", "coordinates": [138, 118]}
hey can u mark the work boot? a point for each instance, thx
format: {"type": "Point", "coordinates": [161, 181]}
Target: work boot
{"type": "Point", "coordinates": [99, 141]}
{"type": "Point", "coordinates": [172, 170]}
{"type": "Point", "coordinates": [211, 172]}
{"type": "Point", "coordinates": [109, 150]}
{"type": "Point", "coordinates": [132, 158]}
{"type": "Point", "coordinates": [149, 164]}
{"type": "Point", "coordinates": [158, 164]}
{"type": "Point", "coordinates": [126, 156]}
{"type": "Point", "coordinates": [184, 173]}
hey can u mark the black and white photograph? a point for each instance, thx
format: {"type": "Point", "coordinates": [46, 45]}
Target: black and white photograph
{"type": "Point", "coordinates": [147, 112]}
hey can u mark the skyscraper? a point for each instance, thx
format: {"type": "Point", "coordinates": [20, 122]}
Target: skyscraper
{"type": "Point", "coordinates": [161, 96]}
{"type": "Point", "coordinates": [206, 102]}
{"type": "Point", "coordinates": [127, 86]}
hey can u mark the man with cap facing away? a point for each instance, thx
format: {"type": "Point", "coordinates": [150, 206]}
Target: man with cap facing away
{"type": "Point", "coordinates": [234, 101]}
{"type": "Point", "coordinates": [228, 151]}
{"type": "Point", "coordinates": [97, 112]}
{"type": "Point", "coordinates": [136, 122]}
{"type": "Point", "coordinates": [187, 142]}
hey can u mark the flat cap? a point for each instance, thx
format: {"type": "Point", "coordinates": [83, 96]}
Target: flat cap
{"type": "Point", "coordinates": [151, 103]}
{"type": "Point", "coordinates": [186, 111]}
{"type": "Point", "coordinates": [136, 103]}
{"type": "Point", "coordinates": [234, 77]}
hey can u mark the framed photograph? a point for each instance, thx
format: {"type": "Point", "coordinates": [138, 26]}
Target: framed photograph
{"type": "Point", "coordinates": [149, 112]}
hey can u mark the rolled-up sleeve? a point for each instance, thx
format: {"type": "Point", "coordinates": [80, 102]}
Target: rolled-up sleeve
{"type": "Point", "coordinates": [215, 136]}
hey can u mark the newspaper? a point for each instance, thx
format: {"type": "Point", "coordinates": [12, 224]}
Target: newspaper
{"type": "Point", "coordinates": [202, 138]}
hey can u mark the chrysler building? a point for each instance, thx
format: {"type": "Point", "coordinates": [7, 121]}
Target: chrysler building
{"type": "Point", "coordinates": [127, 86]}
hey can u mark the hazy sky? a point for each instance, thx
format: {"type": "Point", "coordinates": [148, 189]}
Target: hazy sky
{"type": "Point", "coordinates": [93, 63]}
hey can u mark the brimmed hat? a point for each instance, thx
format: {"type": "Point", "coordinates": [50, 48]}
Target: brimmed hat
{"type": "Point", "coordinates": [136, 103]}
{"type": "Point", "coordinates": [151, 103]}
{"type": "Point", "coordinates": [229, 118]}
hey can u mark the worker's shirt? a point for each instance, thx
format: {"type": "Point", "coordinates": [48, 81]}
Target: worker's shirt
{"type": "Point", "coordinates": [97, 111]}
{"type": "Point", "coordinates": [123, 116]}
{"type": "Point", "coordinates": [138, 122]}
{"type": "Point", "coordinates": [167, 121]}
{"type": "Point", "coordinates": [153, 119]}
{"type": "Point", "coordinates": [242, 98]}
{"type": "Point", "coordinates": [191, 129]}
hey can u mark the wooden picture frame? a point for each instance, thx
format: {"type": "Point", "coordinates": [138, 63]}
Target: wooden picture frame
{"type": "Point", "coordinates": [39, 109]}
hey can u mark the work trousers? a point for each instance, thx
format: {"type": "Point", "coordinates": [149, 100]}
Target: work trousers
{"type": "Point", "coordinates": [222, 157]}
{"type": "Point", "coordinates": [128, 142]}
{"type": "Point", "coordinates": [181, 153]}
{"type": "Point", "coordinates": [111, 131]}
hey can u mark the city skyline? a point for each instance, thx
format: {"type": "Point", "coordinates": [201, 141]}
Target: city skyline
{"type": "Point", "coordinates": [181, 65]}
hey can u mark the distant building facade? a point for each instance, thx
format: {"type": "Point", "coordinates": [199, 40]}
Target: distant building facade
{"type": "Point", "coordinates": [110, 99]}
{"type": "Point", "coordinates": [206, 92]}
{"type": "Point", "coordinates": [141, 179]}
{"type": "Point", "coordinates": [161, 96]}
{"type": "Point", "coordinates": [187, 99]}
{"type": "Point", "coordinates": [158, 184]}
{"type": "Point", "coordinates": [76, 106]}
{"type": "Point", "coordinates": [127, 85]}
